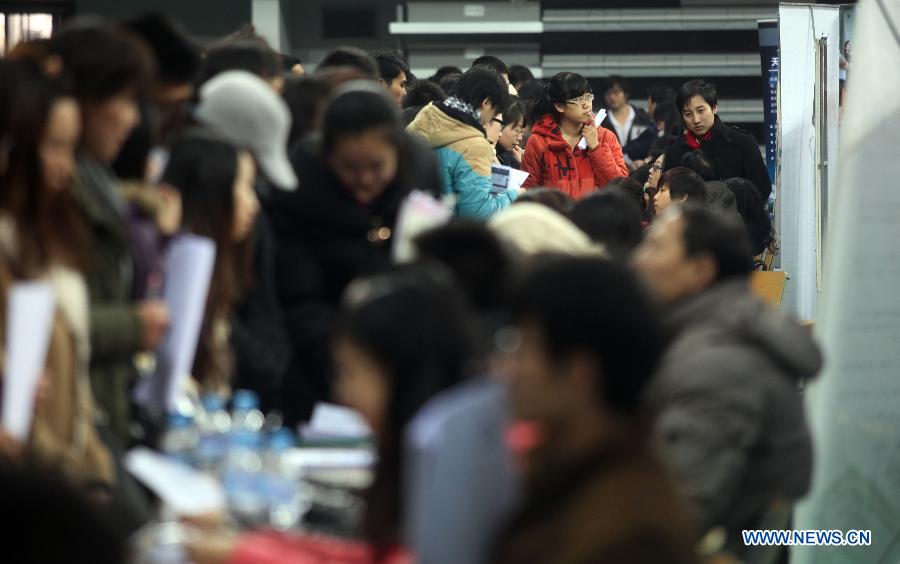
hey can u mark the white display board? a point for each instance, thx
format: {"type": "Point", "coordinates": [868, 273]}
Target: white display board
{"type": "Point", "coordinates": [854, 405]}
{"type": "Point", "coordinates": [800, 27]}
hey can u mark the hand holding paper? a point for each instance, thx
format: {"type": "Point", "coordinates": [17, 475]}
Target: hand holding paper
{"type": "Point", "coordinates": [598, 119]}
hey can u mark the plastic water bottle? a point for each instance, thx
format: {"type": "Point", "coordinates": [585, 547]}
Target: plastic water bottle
{"type": "Point", "coordinates": [282, 489]}
{"type": "Point", "coordinates": [242, 474]}
{"type": "Point", "coordinates": [180, 439]}
{"type": "Point", "coordinates": [246, 418]}
{"type": "Point", "coordinates": [214, 427]}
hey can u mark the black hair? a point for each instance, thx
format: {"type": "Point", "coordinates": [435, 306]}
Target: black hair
{"type": "Point", "coordinates": [289, 61]}
{"type": "Point", "coordinates": [178, 57]}
{"type": "Point", "coordinates": [492, 62]}
{"type": "Point", "coordinates": [423, 93]}
{"type": "Point", "coordinates": [642, 173]}
{"type": "Point", "coordinates": [357, 111]}
{"type": "Point", "coordinates": [444, 71]}
{"type": "Point", "coordinates": [668, 113]}
{"type": "Point", "coordinates": [476, 257]}
{"type": "Point", "coordinates": [481, 83]}
{"type": "Point", "coordinates": [617, 80]}
{"type": "Point", "coordinates": [412, 322]}
{"type": "Point", "coordinates": [36, 503]}
{"type": "Point", "coordinates": [390, 64]}
{"type": "Point", "coordinates": [616, 326]}
{"type": "Point", "coordinates": [696, 87]}
{"type": "Point", "coordinates": [562, 87]}
{"type": "Point", "coordinates": [684, 182]}
{"type": "Point", "coordinates": [131, 162]}
{"type": "Point", "coordinates": [752, 210]}
{"type": "Point", "coordinates": [556, 200]}
{"type": "Point", "coordinates": [661, 94]}
{"type": "Point", "coordinates": [703, 164]}
{"type": "Point", "coordinates": [103, 60]}
{"type": "Point", "coordinates": [305, 97]}
{"type": "Point", "coordinates": [350, 57]}
{"type": "Point", "coordinates": [251, 55]}
{"type": "Point", "coordinates": [514, 113]}
{"type": "Point", "coordinates": [610, 217]}
{"type": "Point", "coordinates": [48, 227]}
{"type": "Point", "coordinates": [720, 235]}
{"type": "Point", "coordinates": [519, 75]}
{"type": "Point", "coordinates": [630, 187]}
{"type": "Point", "coordinates": [448, 81]}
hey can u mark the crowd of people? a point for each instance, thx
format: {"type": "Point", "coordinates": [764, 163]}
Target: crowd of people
{"type": "Point", "coordinates": [627, 394]}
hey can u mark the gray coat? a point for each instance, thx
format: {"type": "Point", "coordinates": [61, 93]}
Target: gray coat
{"type": "Point", "coordinates": [728, 412]}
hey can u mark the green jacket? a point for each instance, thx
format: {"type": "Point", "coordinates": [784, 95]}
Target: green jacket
{"type": "Point", "coordinates": [115, 328]}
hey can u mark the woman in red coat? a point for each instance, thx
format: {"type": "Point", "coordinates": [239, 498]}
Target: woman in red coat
{"type": "Point", "coordinates": [555, 156]}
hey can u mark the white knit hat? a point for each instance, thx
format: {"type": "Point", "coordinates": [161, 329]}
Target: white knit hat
{"type": "Point", "coordinates": [245, 110]}
{"type": "Point", "coordinates": [533, 229]}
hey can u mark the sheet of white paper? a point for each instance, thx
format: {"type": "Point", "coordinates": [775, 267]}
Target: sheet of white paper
{"type": "Point", "coordinates": [185, 490]}
{"type": "Point", "coordinates": [517, 178]}
{"type": "Point", "coordinates": [28, 326]}
{"type": "Point", "coordinates": [189, 267]}
{"type": "Point", "coordinates": [598, 119]}
{"type": "Point", "coordinates": [419, 212]}
{"type": "Point", "coordinates": [338, 421]}
{"type": "Point", "coordinates": [322, 458]}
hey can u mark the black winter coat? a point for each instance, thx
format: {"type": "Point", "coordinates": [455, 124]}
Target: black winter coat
{"type": "Point", "coordinates": [736, 152]}
{"type": "Point", "coordinates": [326, 239]}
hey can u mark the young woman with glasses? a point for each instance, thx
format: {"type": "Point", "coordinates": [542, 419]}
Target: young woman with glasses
{"type": "Point", "coordinates": [555, 155]}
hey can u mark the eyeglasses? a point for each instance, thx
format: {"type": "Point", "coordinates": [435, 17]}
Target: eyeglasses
{"type": "Point", "coordinates": [499, 121]}
{"type": "Point", "coordinates": [584, 101]}
{"type": "Point", "coordinates": [520, 130]}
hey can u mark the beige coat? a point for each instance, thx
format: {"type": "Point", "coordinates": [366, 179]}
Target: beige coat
{"type": "Point", "coordinates": [63, 435]}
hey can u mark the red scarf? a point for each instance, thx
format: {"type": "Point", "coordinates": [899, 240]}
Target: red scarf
{"type": "Point", "coordinates": [695, 142]}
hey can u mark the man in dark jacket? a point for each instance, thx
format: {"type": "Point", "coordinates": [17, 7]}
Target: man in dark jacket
{"type": "Point", "coordinates": [593, 491]}
{"type": "Point", "coordinates": [736, 151]}
{"type": "Point", "coordinates": [728, 412]}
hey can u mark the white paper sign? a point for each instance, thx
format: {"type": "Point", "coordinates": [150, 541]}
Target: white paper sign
{"type": "Point", "coordinates": [185, 490]}
{"type": "Point", "coordinates": [601, 115]}
{"type": "Point", "coordinates": [418, 213]}
{"type": "Point", "coordinates": [189, 267]}
{"type": "Point", "coordinates": [28, 326]}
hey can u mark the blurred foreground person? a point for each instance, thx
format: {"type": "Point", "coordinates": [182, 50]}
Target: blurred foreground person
{"type": "Point", "coordinates": [593, 491]}
{"type": "Point", "coordinates": [109, 68]}
{"type": "Point", "coordinates": [729, 415]}
{"type": "Point", "coordinates": [339, 225]}
{"type": "Point", "coordinates": [215, 181]}
{"type": "Point", "coordinates": [401, 339]}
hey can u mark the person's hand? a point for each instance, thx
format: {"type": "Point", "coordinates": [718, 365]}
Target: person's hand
{"type": "Point", "coordinates": [43, 391]}
{"type": "Point", "coordinates": [168, 219]}
{"type": "Point", "coordinates": [591, 135]}
{"type": "Point", "coordinates": [517, 153]}
{"type": "Point", "coordinates": [10, 448]}
{"type": "Point", "coordinates": [154, 317]}
{"type": "Point", "coordinates": [211, 548]}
